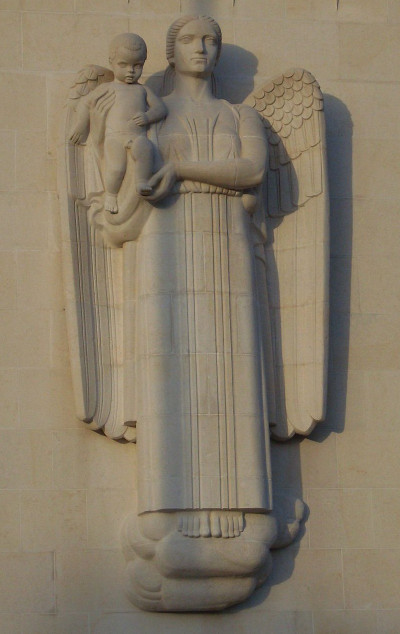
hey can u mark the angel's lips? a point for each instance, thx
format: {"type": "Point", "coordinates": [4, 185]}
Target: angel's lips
{"type": "Point", "coordinates": [199, 59]}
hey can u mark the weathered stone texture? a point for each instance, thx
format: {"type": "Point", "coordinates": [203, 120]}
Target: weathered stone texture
{"type": "Point", "coordinates": [60, 484]}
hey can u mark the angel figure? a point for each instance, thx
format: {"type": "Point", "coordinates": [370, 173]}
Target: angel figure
{"type": "Point", "coordinates": [198, 319]}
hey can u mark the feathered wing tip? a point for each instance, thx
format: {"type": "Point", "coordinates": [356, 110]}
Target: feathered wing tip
{"type": "Point", "coordinates": [92, 274]}
{"type": "Point", "coordinates": [87, 79]}
{"type": "Point", "coordinates": [297, 251]}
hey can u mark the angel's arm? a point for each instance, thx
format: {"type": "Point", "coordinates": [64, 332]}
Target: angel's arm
{"type": "Point", "coordinates": [239, 173]}
{"type": "Point", "coordinates": [80, 130]}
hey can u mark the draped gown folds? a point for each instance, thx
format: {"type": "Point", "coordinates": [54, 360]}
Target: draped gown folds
{"type": "Point", "coordinates": [201, 306]}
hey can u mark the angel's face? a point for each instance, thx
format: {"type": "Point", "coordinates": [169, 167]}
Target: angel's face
{"type": "Point", "coordinates": [196, 49]}
{"type": "Point", "coordinates": [127, 65]}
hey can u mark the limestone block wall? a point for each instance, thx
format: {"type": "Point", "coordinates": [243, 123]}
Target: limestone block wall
{"type": "Point", "coordinates": [64, 490]}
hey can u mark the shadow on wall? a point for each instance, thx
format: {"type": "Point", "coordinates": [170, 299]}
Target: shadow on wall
{"type": "Point", "coordinates": [339, 128]}
{"type": "Point", "coordinates": [235, 73]}
{"type": "Point", "coordinates": [340, 153]}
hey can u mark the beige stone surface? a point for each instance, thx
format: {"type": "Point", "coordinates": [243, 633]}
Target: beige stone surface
{"type": "Point", "coordinates": [357, 459]}
{"type": "Point", "coordinates": [9, 390]}
{"type": "Point", "coordinates": [311, 9]}
{"type": "Point", "coordinates": [7, 164]}
{"type": "Point", "coordinates": [369, 51]}
{"type": "Point", "coordinates": [54, 624]}
{"type": "Point", "coordinates": [26, 218]}
{"type": "Point", "coordinates": [345, 621]}
{"type": "Point", "coordinates": [388, 621]}
{"type": "Point", "coordinates": [270, 622]}
{"type": "Point", "coordinates": [10, 38]}
{"type": "Point", "coordinates": [10, 509]}
{"type": "Point", "coordinates": [57, 6]}
{"type": "Point", "coordinates": [91, 581]}
{"type": "Point", "coordinates": [324, 574]}
{"type": "Point", "coordinates": [8, 280]}
{"type": "Point", "coordinates": [23, 103]}
{"type": "Point", "coordinates": [20, 348]}
{"type": "Point", "coordinates": [11, 623]}
{"type": "Point", "coordinates": [362, 11]}
{"type": "Point", "coordinates": [47, 39]}
{"type": "Point", "coordinates": [107, 508]}
{"type": "Point", "coordinates": [89, 470]}
{"type": "Point", "coordinates": [39, 274]}
{"type": "Point", "coordinates": [386, 525]}
{"type": "Point", "coordinates": [27, 461]}
{"type": "Point", "coordinates": [341, 518]}
{"type": "Point", "coordinates": [348, 474]}
{"type": "Point", "coordinates": [394, 11]}
{"type": "Point", "coordinates": [53, 520]}
{"type": "Point", "coordinates": [27, 582]}
{"type": "Point", "coordinates": [371, 579]}
{"type": "Point", "coordinates": [106, 6]}
{"type": "Point", "coordinates": [44, 398]}
{"type": "Point", "coordinates": [34, 170]}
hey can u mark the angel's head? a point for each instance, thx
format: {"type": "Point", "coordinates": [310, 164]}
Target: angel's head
{"type": "Point", "coordinates": [128, 53]}
{"type": "Point", "coordinates": [194, 44]}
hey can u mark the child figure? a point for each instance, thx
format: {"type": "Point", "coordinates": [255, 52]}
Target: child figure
{"type": "Point", "coordinates": [129, 108]}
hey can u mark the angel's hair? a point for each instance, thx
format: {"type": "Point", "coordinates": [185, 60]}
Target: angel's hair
{"type": "Point", "coordinates": [176, 26]}
{"type": "Point", "coordinates": [130, 41]}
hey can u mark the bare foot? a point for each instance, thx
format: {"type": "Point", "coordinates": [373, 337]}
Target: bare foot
{"type": "Point", "coordinates": [194, 524]}
{"type": "Point", "coordinates": [211, 523]}
{"type": "Point", "coordinates": [143, 189]}
{"type": "Point", "coordinates": [110, 203]}
{"type": "Point", "coordinates": [227, 523]}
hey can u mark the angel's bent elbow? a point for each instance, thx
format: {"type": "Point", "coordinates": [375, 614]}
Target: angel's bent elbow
{"type": "Point", "coordinates": [257, 176]}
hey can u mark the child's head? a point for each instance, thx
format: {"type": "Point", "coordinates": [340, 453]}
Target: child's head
{"type": "Point", "coordinates": [128, 54]}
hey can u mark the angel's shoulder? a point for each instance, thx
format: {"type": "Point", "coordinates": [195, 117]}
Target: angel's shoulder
{"type": "Point", "coordinates": [246, 112]}
{"type": "Point", "coordinates": [248, 117]}
{"type": "Point", "coordinates": [240, 111]}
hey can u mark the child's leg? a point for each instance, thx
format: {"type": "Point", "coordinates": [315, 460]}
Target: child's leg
{"type": "Point", "coordinates": [115, 169]}
{"type": "Point", "coordinates": [142, 154]}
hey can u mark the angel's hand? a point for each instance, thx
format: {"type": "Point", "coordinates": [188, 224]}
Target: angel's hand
{"type": "Point", "coordinates": [104, 101]}
{"type": "Point", "coordinates": [78, 136]}
{"type": "Point", "coordinates": [140, 118]}
{"type": "Point", "coordinates": [162, 182]}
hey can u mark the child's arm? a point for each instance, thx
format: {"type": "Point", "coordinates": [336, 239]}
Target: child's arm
{"type": "Point", "coordinates": [157, 109]}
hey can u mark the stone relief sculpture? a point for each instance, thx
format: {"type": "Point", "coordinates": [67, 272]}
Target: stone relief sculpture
{"type": "Point", "coordinates": [196, 286]}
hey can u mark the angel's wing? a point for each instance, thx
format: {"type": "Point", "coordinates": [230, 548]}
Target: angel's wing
{"type": "Point", "coordinates": [93, 277]}
{"type": "Point", "coordinates": [297, 249]}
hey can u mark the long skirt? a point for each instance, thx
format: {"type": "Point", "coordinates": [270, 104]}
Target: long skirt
{"type": "Point", "coordinates": [202, 428]}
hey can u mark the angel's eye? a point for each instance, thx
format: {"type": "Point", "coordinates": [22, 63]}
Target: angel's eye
{"type": "Point", "coordinates": [186, 39]}
{"type": "Point", "coordinates": [122, 64]}
{"type": "Point", "coordinates": [211, 39]}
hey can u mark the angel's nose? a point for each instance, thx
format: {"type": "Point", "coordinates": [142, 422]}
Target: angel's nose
{"type": "Point", "coordinates": [198, 45]}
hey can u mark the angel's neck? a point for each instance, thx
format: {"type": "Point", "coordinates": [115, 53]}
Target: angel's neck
{"type": "Point", "coordinates": [196, 88]}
